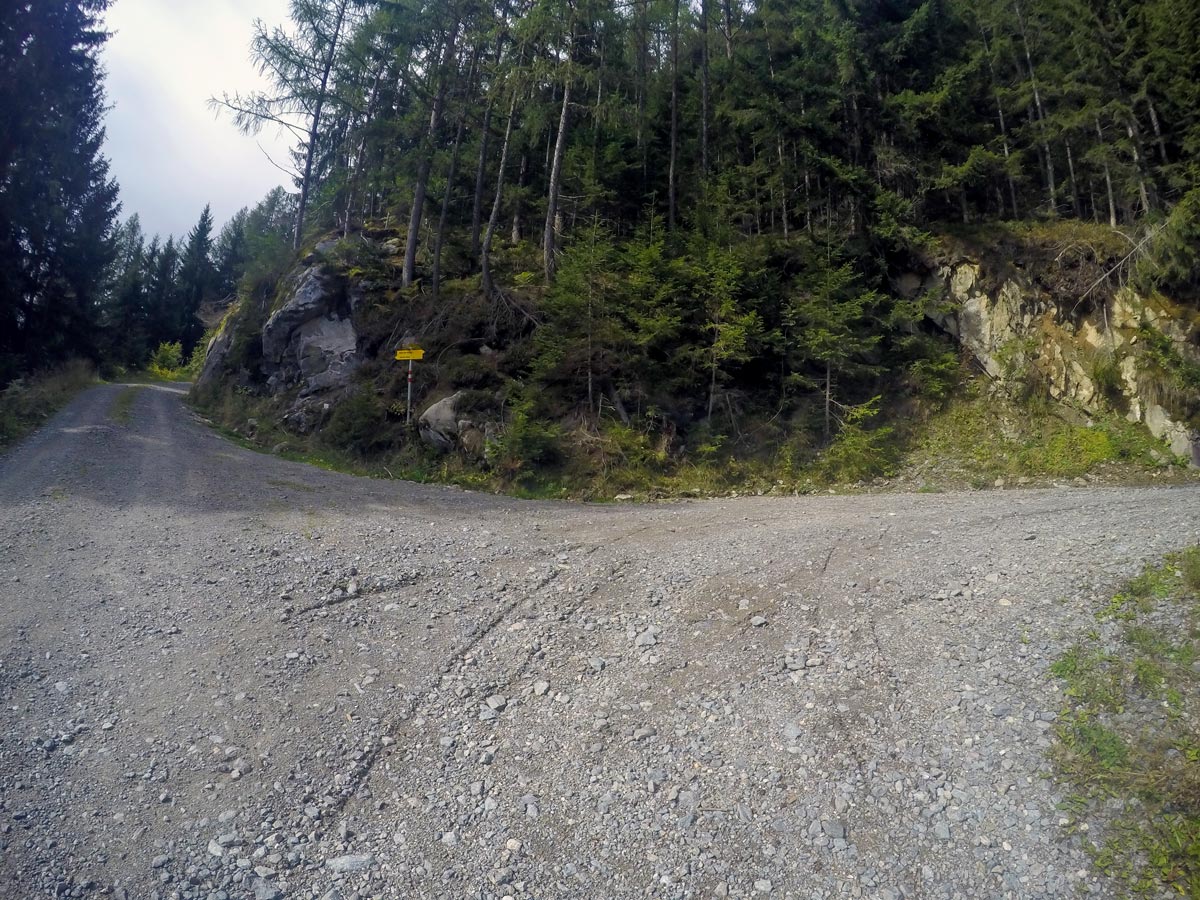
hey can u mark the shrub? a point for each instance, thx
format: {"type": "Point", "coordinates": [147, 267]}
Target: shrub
{"type": "Point", "coordinates": [167, 361]}
{"type": "Point", "coordinates": [527, 442]}
{"type": "Point", "coordinates": [358, 425]}
{"type": "Point", "coordinates": [858, 452]}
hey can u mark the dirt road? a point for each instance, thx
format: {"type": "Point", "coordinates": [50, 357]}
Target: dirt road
{"type": "Point", "coordinates": [229, 676]}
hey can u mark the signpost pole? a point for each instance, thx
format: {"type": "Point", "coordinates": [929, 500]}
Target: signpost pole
{"type": "Point", "coordinates": [408, 407]}
{"type": "Point", "coordinates": [410, 353]}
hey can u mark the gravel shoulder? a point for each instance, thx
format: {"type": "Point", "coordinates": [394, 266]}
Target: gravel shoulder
{"type": "Point", "coordinates": [226, 675]}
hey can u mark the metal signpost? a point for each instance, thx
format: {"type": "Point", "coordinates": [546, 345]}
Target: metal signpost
{"type": "Point", "coordinates": [411, 354]}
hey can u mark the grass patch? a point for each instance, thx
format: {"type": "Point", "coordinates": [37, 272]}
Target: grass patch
{"type": "Point", "coordinates": [1129, 741]}
{"type": "Point", "coordinates": [979, 438]}
{"type": "Point", "coordinates": [121, 411]}
{"type": "Point", "coordinates": [28, 402]}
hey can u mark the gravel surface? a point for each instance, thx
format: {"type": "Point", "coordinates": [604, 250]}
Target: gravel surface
{"type": "Point", "coordinates": [229, 676]}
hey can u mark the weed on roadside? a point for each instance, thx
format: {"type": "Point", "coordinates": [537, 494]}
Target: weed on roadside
{"type": "Point", "coordinates": [1128, 741]}
{"type": "Point", "coordinates": [28, 402]}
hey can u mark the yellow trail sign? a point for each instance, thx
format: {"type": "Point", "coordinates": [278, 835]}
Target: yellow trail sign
{"type": "Point", "coordinates": [410, 353]}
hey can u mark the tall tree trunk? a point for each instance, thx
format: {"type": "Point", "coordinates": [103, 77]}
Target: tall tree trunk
{"type": "Point", "coordinates": [425, 164]}
{"type": "Point", "coordinates": [480, 172]}
{"type": "Point", "coordinates": [1135, 143]}
{"type": "Point", "coordinates": [828, 400]}
{"type": "Point", "coordinates": [674, 118]}
{"type": "Point", "coordinates": [1074, 184]}
{"type": "Point", "coordinates": [518, 206]}
{"type": "Point", "coordinates": [643, 52]}
{"type": "Point", "coordinates": [1158, 135]}
{"type": "Point", "coordinates": [1012, 185]}
{"type": "Point", "coordinates": [494, 220]}
{"type": "Point", "coordinates": [357, 169]}
{"type": "Point", "coordinates": [1041, 110]}
{"type": "Point", "coordinates": [1112, 204]}
{"type": "Point", "coordinates": [440, 239]}
{"type": "Point", "coordinates": [314, 126]}
{"type": "Point", "coordinates": [704, 87]}
{"type": "Point", "coordinates": [783, 188]}
{"type": "Point", "coordinates": [727, 15]}
{"type": "Point", "coordinates": [549, 248]}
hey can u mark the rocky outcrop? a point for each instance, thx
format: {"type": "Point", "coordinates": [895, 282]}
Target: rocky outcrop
{"type": "Point", "coordinates": [215, 357]}
{"type": "Point", "coordinates": [311, 340]}
{"type": "Point", "coordinates": [1013, 330]}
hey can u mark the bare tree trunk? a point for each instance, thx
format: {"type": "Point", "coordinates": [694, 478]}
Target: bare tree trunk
{"type": "Point", "coordinates": [1135, 142]}
{"type": "Point", "coordinates": [426, 161]}
{"type": "Point", "coordinates": [315, 125]}
{"type": "Point", "coordinates": [674, 118]}
{"type": "Point", "coordinates": [1041, 110]}
{"type": "Point", "coordinates": [727, 14]}
{"type": "Point", "coordinates": [1074, 185]}
{"type": "Point", "coordinates": [704, 86]}
{"type": "Point", "coordinates": [480, 172]}
{"type": "Point", "coordinates": [549, 256]}
{"type": "Point", "coordinates": [1012, 186]}
{"type": "Point", "coordinates": [1158, 135]}
{"type": "Point", "coordinates": [494, 220]}
{"type": "Point", "coordinates": [1112, 204]}
{"type": "Point", "coordinates": [522, 175]}
{"type": "Point", "coordinates": [440, 239]}
{"type": "Point", "coordinates": [712, 384]}
{"type": "Point", "coordinates": [356, 171]}
{"type": "Point", "coordinates": [828, 400]}
{"type": "Point", "coordinates": [783, 188]}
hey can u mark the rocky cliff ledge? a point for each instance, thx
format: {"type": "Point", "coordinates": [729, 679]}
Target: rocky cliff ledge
{"type": "Point", "coordinates": [1091, 351]}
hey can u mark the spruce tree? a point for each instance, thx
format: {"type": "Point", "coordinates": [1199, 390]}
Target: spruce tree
{"type": "Point", "coordinates": [197, 280]}
{"type": "Point", "coordinates": [57, 202]}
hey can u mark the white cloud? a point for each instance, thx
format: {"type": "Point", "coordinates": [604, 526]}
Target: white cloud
{"type": "Point", "coordinates": [169, 151]}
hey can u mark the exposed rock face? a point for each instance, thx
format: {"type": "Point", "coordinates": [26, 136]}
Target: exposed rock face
{"type": "Point", "coordinates": [1013, 329]}
{"type": "Point", "coordinates": [311, 339]}
{"type": "Point", "coordinates": [214, 359]}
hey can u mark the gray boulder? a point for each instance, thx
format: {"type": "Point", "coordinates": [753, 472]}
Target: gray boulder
{"type": "Point", "coordinates": [439, 425]}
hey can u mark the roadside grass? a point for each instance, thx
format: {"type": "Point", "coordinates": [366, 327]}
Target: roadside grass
{"type": "Point", "coordinates": [978, 438]}
{"type": "Point", "coordinates": [1128, 741]}
{"type": "Point", "coordinates": [28, 402]}
{"type": "Point", "coordinates": [121, 411]}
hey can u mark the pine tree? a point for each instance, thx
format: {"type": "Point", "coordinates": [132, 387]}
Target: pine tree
{"type": "Point", "coordinates": [57, 203]}
{"type": "Point", "coordinates": [301, 65]}
{"type": "Point", "coordinates": [197, 280]}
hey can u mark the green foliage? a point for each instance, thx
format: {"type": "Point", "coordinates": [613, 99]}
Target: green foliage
{"type": "Point", "coordinates": [167, 358]}
{"type": "Point", "coordinates": [1172, 263]}
{"type": "Point", "coordinates": [1137, 771]}
{"type": "Point", "coordinates": [528, 443]}
{"type": "Point", "coordinates": [58, 203]}
{"type": "Point", "coordinates": [358, 425]}
{"type": "Point", "coordinates": [999, 436]}
{"type": "Point", "coordinates": [859, 452]}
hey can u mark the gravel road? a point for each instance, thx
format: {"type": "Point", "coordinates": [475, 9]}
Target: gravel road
{"type": "Point", "coordinates": [228, 676]}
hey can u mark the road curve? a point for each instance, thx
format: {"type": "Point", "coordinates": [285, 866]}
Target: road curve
{"type": "Point", "coordinates": [226, 675]}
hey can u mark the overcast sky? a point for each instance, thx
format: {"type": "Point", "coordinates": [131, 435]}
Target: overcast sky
{"type": "Point", "coordinates": [168, 150]}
